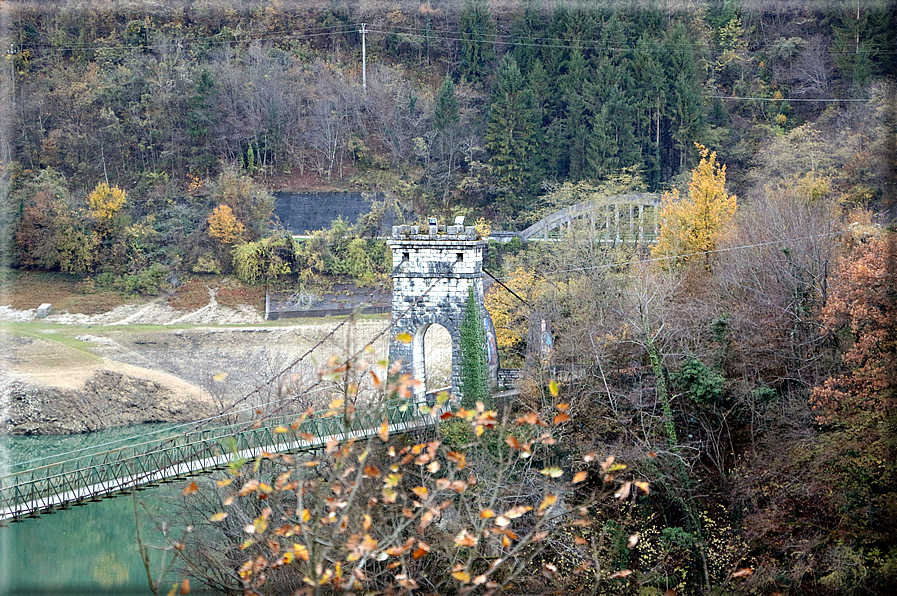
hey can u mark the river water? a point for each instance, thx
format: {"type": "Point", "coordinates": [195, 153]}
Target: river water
{"type": "Point", "coordinates": [90, 549]}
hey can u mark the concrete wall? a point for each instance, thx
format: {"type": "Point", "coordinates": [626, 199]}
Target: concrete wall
{"type": "Point", "coordinates": [304, 212]}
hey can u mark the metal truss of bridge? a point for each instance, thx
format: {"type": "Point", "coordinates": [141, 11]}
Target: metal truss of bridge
{"type": "Point", "coordinates": [95, 475]}
{"type": "Point", "coordinates": [630, 218]}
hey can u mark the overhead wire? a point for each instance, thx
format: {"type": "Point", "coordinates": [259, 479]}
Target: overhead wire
{"type": "Point", "coordinates": [557, 272]}
{"type": "Point", "coordinates": [229, 411]}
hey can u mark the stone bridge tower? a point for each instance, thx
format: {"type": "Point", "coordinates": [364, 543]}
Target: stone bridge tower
{"type": "Point", "coordinates": [433, 269]}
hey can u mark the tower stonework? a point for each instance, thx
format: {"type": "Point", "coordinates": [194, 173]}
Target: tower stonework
{"type": "Point", "coordinates": [433, 269]}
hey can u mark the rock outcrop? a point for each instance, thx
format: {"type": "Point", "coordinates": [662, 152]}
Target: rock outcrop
{"type": "Point", "coordinates": [107, 399]}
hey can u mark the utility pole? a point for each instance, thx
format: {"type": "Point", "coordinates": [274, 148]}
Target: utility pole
{"type": "Point", "coordinates": [364, 65]}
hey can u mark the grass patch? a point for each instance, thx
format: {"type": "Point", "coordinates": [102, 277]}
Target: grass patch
{"type": "Point", "coordinates": [194, 293]}
{"type": "Point", "coordinates": [57, 334]}
{"type": "Point", "coordinates": [24, 290]}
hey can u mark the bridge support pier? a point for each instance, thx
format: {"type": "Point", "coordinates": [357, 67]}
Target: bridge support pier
{"type": "Point", "coordinates": [433, 271]}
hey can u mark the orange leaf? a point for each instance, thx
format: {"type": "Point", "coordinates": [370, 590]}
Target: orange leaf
{"type": "Point", "coordinates": [384, 431]}
{"type": "Point", "coordinates": [580, 476]}
{"type": "Point", "coordinates": [191, 488]}
{"type": "Point", "coordinates": [185, 587]}
{"type": "Point", "coordinates": [745, 572]}
{"type": "Point", "coordinates": [548, 501]}
{"type": "Point", "coordinates": [371, 472]}
{"type": "Point", "coordinates": [561, 418]}
{"type": "Point", "coordinates": [623, 493]}
{"type": "Point", "coordinates": [621, 573]}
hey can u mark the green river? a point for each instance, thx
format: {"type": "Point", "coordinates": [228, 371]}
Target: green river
{"type": "Point", "coordinates": [89, 550]}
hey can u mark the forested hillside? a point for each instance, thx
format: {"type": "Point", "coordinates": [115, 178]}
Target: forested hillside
{"type": "Point", "coordinates": [468, 106]}
{"type": "Point", "coordinates": [741, 369]}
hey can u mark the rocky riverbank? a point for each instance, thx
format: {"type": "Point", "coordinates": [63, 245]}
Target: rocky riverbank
{"type": "Point", "coordinates": [70, 373]}
{"type": "Point", "coordinates": [107, 399]}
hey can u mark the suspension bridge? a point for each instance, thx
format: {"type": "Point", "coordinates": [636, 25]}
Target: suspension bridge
{"type": "Point", "coordinates": [90, 475]}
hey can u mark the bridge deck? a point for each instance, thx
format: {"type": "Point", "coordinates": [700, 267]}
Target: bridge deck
{"type": "Point", "coordinates": [31, 492]}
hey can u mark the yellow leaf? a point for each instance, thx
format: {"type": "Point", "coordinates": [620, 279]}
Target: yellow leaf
{"type": "Point", "coordinates": [218, 517]}
{"type": "Point", "coordinates": [643, 486]}
{"type": "Point", "coordinates": [461, 576]}
{"type": "Point", "coordinates": [553, 388]}
{"type": "Point", "coordinates": [224, 482]}
{"type": "Point", "coordinates": [553, 472]}
{"type": "Point", "coordinates": [281, 429]}
{"type": "Point", "coordinates": [301, 552]}
{"type": "Point", "coordinates": [219, 378]}
{"type": "Point", "coordinates": [404, 338]}
{"type": "Point", "coordinates": [486, 514]}
{"type": "Point", "coordinates": [420, 491]}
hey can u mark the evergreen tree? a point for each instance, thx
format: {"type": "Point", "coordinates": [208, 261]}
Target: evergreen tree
{"type": "Point", "coordinates": [528, 31]}
{"type": "Point", "coordinates": [445, 114]}
{"type": "Point", "coordinates": [444, 160]}
{"type": "Point", "coordinates": [477, 36]}
{"type": "Point", "coordinates": [576, 116]}
{"type": "Point", "coordinates": [511, 138]}
{"type": "Point", "coordinates": [684, 104]}
{"type": "Point", "coordinates": [474, 371]}
{"type": "Point", "coordinates": [649, 105]}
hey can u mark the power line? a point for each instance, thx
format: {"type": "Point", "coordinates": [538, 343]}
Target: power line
{"type": "Point", "coordinates": [230, 410]}
{"type": "Point", "coordinates": [670, 257]}
{"type": "Point", "coordinates": [788, 99]}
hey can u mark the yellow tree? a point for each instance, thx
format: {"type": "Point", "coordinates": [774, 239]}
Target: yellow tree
{"type": "Point", "coordinates": [224, 226]}
{"type": "Point", "coordinates": [509, 314]}
{"type": "Point", "coordinates": [106, 201]}
{"type": "Point", "coordinates": [694, 223]}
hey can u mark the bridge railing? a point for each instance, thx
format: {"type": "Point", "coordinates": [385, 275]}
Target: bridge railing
{"type": "Point", "coordinates": [89, 476]}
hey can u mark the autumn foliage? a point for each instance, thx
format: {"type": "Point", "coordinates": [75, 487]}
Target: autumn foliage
{"type": "Point", "coordinates": [393, 514]}
{"type": "Point", "coordinates": [693, 224]}
{"type": "Point", "coordinates": [224, 225]}
{"type": "Point", "coordinates": [862, 307]}
{"type": "Point", "coordinates": [106, 201]}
